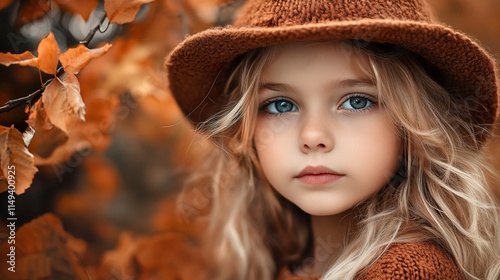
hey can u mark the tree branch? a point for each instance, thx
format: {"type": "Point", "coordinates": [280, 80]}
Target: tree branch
{"type": "Point", "coordinates": [92, 32]}
{"type": "Point", "coordinates": [33, 97]}
{"type": "Point", "coordinates": [27, 100]}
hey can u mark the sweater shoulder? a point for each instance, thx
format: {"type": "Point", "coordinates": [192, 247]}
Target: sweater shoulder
{"type": "Point", "coordinates": [422, 260]}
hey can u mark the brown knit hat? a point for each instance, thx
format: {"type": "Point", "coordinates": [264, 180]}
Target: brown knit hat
{"type": "Point", "coordinates": [199, 67]}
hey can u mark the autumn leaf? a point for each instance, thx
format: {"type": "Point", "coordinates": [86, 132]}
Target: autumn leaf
{"type": "Point", "coordinates": [62, 102]}
{"type": "Point", "coordinates": [31, 10]}
{"type": "Point", "coordinates": [121, 260]}
{"type": "Point", "coordinates": [74, 59]}
{"type": "Point", "coordinates": [47, 137]}
{"type": "Point", "coordinates": [15, 159]}
{"type": "Point", "coordinates": [146, 257]}
{"type": "Point", "coordinates": [48, 55]}
{"type": "Point", "coordinates": [45, 142]}
{"type": "Point", "coordinates": [44, 250]}
{"type": "Point", "coordinates": [55, 146]}
{"type": "Point", "coordinates": [123, 11]}
{"type": "Point", "coordinates": [38, 117]}
{"type": "Point", "coordinates": [82, 8]}
{"type": "Point", "coordinates": [25, 58]}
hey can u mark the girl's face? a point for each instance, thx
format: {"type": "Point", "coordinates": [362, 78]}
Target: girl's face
{"type": "Point", "coordinates": [321, 137]}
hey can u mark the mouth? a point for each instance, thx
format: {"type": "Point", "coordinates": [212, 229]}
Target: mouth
{"type": "Point", "coordinates": [318, 175]}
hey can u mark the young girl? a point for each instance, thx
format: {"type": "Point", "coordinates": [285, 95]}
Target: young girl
{"type": "Point", "coordinates": [349, 136]}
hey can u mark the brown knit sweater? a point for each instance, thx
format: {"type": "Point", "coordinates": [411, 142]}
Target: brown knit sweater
{"type": "Point", "coordinates": [404, 261]}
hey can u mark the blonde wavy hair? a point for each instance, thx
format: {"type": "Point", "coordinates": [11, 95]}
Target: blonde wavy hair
{"type": "Point", "coordinates": [444, 197]}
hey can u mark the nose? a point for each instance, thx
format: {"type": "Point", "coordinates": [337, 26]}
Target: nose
{"type": "Point", "coordinates": [315, 136]}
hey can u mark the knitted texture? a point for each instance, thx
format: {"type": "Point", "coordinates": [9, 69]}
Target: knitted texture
{"type": "Point", "coordinates": [199, 67]}
{"type": "Point", "coordinates": [297, 12]}
{"type": "Point", "coordinates": [410, 261]}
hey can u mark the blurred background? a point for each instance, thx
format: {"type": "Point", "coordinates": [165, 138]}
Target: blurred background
{"type": "Point", "coordinates": [112, 184]}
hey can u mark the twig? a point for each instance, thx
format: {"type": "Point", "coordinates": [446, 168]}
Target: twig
{"type": "Point", "coordinates": [92, 32]}
{"type": "Point", "coordinates": [33, 97]}
{"type": "Point", "coordinates": [28, 99]}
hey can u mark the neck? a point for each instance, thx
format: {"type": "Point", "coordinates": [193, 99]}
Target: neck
{"type": "Point", "coordinates": [329, 233]}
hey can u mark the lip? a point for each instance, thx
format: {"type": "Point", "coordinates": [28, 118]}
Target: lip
{"type": "Point", "coordinates": [318, 175]}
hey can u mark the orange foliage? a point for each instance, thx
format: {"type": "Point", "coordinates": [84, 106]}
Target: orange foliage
{"type": "Point", "coordinates": [75, 59]}
{"type": "Point", "coordinates": [147, 258]}
{"type": "Point", "coordinates": [48, 53]}
{"type": "Point", "coordinates": [25, 58]}
{"type": "Point", "coordinates": [119, 11]}
{"type": "Point", "coordinates": [16, 162]}
{"type": "Point", "coordinates": [44, 250]}
{"type": "Point", "coordinates": [63, 103]}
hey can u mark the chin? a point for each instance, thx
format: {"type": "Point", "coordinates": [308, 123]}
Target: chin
{"type": "Point", "coordinates": [316, 211]}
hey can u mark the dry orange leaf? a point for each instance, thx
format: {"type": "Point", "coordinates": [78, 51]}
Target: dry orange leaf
{"type": "Point", "coordinates": [62, 102]}
{"type": "Point", "coordinates": [48, 137]}
{"type": "Point", "coordinates": [94, 133]}
{"type": "Point", "coordinates": [119, 263]}
{"type": "Point", "coordinates": [48, 54]}
{"type": "Point", "coordinates": [16, 162]}
{"type": "Point", "coordinates": [74, 59]}
{"type": "Point", "coordinates": [82, 8]}
{"type": "Point", "coordinates": [25, 59]}
{"type": "Point", "coordinates": [37, 117]}
{"type": "Point", "coordinates": [45, 142]}
{"type": "Point", "coordinates": [123, 11]}
{"type": "Point", "coordinates": [44, 250]}
{"type": "Point", "coordinates": [169, 255]}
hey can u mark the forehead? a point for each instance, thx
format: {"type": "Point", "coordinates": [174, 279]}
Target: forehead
{"type": "Point", "coordinates": [297, 57]}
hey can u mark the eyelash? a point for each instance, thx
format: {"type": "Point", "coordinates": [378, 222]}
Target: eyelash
{"type": "Point", "coordinates": [265, 104]}
{"type": "Point", "coordinates": [361, 95]}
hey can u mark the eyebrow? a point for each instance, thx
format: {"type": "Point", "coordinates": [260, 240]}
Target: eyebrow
{"type": "Point", "coordinates": [355, 82]}
{"type": "Point", "coordinates": [278, 87]}
{"type": "Point", "coordinates": [281, 87]}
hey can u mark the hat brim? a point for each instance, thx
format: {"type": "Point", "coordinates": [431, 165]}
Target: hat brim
{"type": "Point", "coordinates": [197, 68]}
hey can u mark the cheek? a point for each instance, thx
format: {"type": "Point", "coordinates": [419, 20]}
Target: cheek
{"type": "Point", "coordinates": [271, 133]}
{"type": "Point", "coordinates": [273, 140]}
{"type": "Point", "coordinates": [263, 139]}
{"type": "Point", "coordinates": [376, 151]}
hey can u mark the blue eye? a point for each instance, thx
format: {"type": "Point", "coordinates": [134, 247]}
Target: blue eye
{"type": "Point", "coordinates": [357, 103]}
{"type": "Point", "coordinates": [279, 106]}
